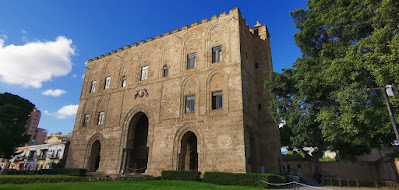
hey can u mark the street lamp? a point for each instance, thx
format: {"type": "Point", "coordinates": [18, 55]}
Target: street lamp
{"type": "Point", "coordinates": [388, 91]}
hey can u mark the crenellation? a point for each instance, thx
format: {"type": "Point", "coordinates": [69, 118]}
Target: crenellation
{"type": "Point", "coordinates": [142, 42]}
{"type": "Point", "coordinates": [223, 14]}
{"type": "Point", "coordinates": [134, 44]}
{"type": "Point", "coordinates": [214, 17]}
{"type": "Point", "coordinates": [108, 53]}
{"type": "Point", "coordinates": [166, 33]}
{"type": "Point", "coordinates": [158, 36]}
{"type": "Point", "coordinates": [101, 56]}
{"type": "Point", "coordinates": [90, 60]}
{"type": "Point", "coordinates": [127, 46]}
{"type": "Point", "coordinates": [175, 30]}
{"type": "Point", "coordinates": [114, 51]}
{"type": "Point", "coordinates": [96, 58]}
{"type": "Point", "coordinates": [120, 49]}
{"type": "Point", "coordinates": [194, 23]}
{"type": "Point", "coordinates": [149, 39]}
{"type": "Point", "coordinates": [185, 27]}
{"type": "Point", "coordinates": [204, 20]}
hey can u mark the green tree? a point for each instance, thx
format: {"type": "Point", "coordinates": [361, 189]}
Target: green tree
{"type": "Point", "coordinates": [14, 113]}
{"type": "Point", "coordinates": [348, 47]}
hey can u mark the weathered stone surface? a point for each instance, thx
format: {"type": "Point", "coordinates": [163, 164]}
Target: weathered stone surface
{"type": "Point", "coordinates": [240, 137]}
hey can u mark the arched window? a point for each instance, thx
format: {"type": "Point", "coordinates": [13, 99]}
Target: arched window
{"type": "Point", "coordinates": [165, 70]}
{"type": "Point", "coordinates": [123, 81]}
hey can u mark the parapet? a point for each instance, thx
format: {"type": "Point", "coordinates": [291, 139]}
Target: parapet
{"type": "Point", "coordinates": [185, 27]}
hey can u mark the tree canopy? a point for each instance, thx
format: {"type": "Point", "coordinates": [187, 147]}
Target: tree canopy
{"type": "Point", "coordinates": [14, 113]}
{"type": "Point", "coordinates": [326, 100]}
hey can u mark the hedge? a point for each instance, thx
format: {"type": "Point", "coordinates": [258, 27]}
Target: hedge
{"type": "Point", "coordinates": [181, 175]}
{"type": "Point", "coordinates": [64, 171]}
{"type": "Point", "coordinates": [243, 179]}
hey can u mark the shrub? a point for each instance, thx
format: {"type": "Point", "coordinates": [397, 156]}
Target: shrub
{"type": "Point", "coordinates": [181, 175]}
{"type": "Point", "coordinates": [244, 179]}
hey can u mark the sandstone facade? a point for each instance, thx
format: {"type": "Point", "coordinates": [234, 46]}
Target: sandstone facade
{"type": "Point", "coordinates": [154, 108]}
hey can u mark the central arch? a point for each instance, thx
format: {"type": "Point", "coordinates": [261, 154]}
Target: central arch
{"type": "Point", "coordinates": [135, 154]}
{"type": "Point", "coordinates": [188, 157]}
{"type": "Point", "coordinates": [94, 159]}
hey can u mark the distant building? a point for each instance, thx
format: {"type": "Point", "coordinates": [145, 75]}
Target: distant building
{"type": "Point", "coordinates": [37, 135]}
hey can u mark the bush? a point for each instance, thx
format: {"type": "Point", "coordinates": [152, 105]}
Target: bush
{"type": "Point", "coordinates": [64, 171]}
{"type": "Point", "coordinates": [181, 175]}
{"type": "Point", "coordinates": [244, 179]}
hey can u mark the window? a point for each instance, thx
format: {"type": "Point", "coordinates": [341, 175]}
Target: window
{"type": "Point", "coordinates": [165, 71]}
{"type": "Point", "coordinates": [190, 104]}
{"type": "Point", "coordinates": [191, 60]}
{"type": "Point", "coordinates": [217, 100]}
{"type": "Point", "coordinates": [86, 120]}
{"type": "Point", "coordinates": [93, 86]}
{"type": "Point", "coordinates": [216, 54]}
{"type": "Point", "coordinates": [256, 65]}
{"type": "Point", "coordinates": [100, 118]}
{"type": "Point", "coordinates": [123, 84]}
{"type": "Point", "coordinates": [144, 73]}
{"type": "Point", "coordinates": [107, 82]}
{"type": "Point", "coordinates": [259, 106]}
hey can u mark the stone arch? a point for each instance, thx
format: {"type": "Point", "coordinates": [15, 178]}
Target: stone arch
{"type": "Point", "coordinates": [190, 86]}
{"type": "Point", "coordinates": [125, 127]}
{"type": "Point", "coordinates": [102, 106]}
{"type": "Point", "coordinates": [96, 137]}
{"type": "Point", "coordinates": [209, 43]}
{"type": "Point", "coordinates": [216, 81]}
{"type": "Point", "coordinates": [111, 69]}
{"type": "Point", "coordinates": [200, 145]}
{"type": "Point", "coordinates": [189, 48]}
{"type": "Point", "coordinates": [88, 108]}
{"type": "Point", "coordinates": [170, 49]}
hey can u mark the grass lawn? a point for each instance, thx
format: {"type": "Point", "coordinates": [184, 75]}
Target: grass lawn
{"type": "Point", "coordinates": [36, 176]}
{"type": "Point", "coordinates": [121, 185]}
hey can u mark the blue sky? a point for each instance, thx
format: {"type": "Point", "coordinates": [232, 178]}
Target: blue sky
{"type": "Point", "coordinates": [60, 36]}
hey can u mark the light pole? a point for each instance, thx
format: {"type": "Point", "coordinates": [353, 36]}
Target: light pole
{"type": "Point", "coordinates": [389, 92]}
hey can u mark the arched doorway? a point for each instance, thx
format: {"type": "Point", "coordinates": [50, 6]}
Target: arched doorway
{"type": "Point", "coordinates": [188, 157]}
{"type": "Point", "coordinates": [135, 155]}
{"type": "Point", "coordinates": [94, 158]}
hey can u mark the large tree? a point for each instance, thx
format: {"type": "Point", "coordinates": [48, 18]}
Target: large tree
{"type": "Point", "coordinates": [14, 113]}
{"type": "Point", "coordinates": [327, 99]}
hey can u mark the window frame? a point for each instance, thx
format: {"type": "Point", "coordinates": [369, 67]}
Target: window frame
{"type": "Point", "coordinates": [101, 115]}
{"type": "Point", "coordinates": [191, 60]}
{"type": "Point", "coordinates": [86, 118]}
{"type": "Point", "coordinates": [217, 100]}
{"type": "Point", "coordinates": [189, 104]}
{"type": "Point", "coordinates": [107, 82]}
{"type": "Point", "coordinates": [93, 86]}
{"type": "Point", "coordinates": [123, 84]}
{"type": "Point", "coordinates": [165, 71]}
{"type": "Point", "coordinates": [217, 54]}
{"type": "Point", "coordinates": [144, 73]}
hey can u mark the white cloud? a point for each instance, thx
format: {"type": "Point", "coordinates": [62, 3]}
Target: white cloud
{"type": "Point", "coordinates": [86, 63]}
{"type": "Point", "coordinates": [64, 112]}
{"type": "Point", "coordinates": [4, 37]}
{"type": "Point", "coordinates": [74, 75]}
{"type": "Point", "coordinates": [56, 92]}
{"type": "Point", "coordinates": [31, 64]}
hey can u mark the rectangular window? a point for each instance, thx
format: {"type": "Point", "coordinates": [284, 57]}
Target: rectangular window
{"type": "Point", "coordinates": [144, 73]}
{"type": "Point", "coordinates": [217, 100]}
{"type": "Point", "coordinates": [100, 118]}
{"type": "Point", "coordinates": [107, 82]}
{"type": "Point", "coordinates": [86, 120]}
{"type": "Point", "coordinates": [165, 72]}
{"type": "Point", "coordinates": [93, 86]}
{"type": "Point", "coordinates": [216, 54]}
{"type": "Point", "coordinates": [191, 60]}
{"type": "Point", "coordinates": [190, 104]}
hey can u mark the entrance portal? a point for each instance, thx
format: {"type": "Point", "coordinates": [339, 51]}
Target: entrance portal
{"type": "Point", "coordinates": [188, 157]}
{"type": "Point", "coordinates": [94, 158]}
{"type": "Point", "coordinates": [135, 155]}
